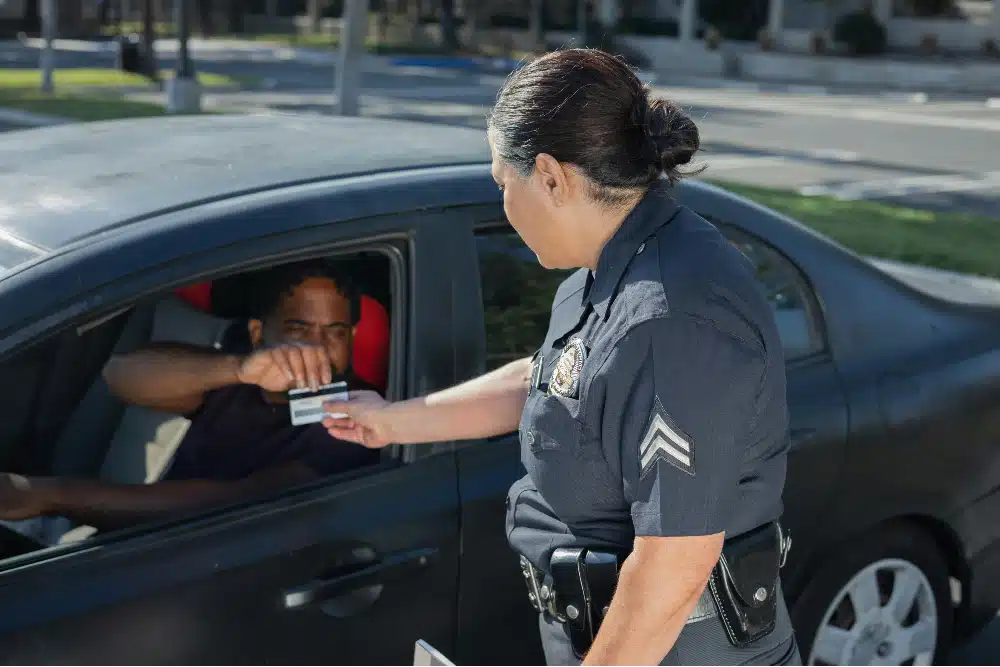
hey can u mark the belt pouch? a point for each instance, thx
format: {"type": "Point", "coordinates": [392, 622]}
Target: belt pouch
{"type": "Point", "coordinates": [566, 570]}
{"type": "Point", "coordinates": [744, 584]}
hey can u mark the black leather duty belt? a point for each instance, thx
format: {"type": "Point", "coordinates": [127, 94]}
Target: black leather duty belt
{"type": "Point", "coordinates": [742, 588]}
{"type": "Point", "coordinates": [544, 598]}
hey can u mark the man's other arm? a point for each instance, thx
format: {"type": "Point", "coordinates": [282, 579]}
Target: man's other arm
{"type": "Point", "coordinates": [114, 506]}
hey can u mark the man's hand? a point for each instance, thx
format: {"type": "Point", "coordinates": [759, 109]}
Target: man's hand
{"type": "Point", "coordinates": [22, 498]}
{"type": "Point", "coordinates": [287, 366]}
{"type": "Point", "coordinates": [367, 421]}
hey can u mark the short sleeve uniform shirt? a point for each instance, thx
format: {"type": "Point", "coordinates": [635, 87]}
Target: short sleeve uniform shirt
{"type": "Point", "coordinates": [657, 405]}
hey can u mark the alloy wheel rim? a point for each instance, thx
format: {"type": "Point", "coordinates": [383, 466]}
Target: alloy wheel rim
{"type": "Point", "coordinates": [885, 615]}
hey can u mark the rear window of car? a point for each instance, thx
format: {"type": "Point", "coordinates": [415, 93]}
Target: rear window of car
{"type": "Point", "coordinates": [11, 256]}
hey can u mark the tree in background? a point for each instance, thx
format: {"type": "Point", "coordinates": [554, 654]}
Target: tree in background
{"type": "Point", "coordinates": [449, 31]}
{"type": "Point", "coordinates": [149, 67]}
{"type": "Point", "coordinates": [206, 22]}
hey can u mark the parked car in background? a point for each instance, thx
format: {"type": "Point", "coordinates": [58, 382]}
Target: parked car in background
{"type": "Point", "coordinates": [893, 383]}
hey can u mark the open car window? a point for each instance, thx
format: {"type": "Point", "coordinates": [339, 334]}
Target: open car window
{"type": "Point", "coordinates": [95, 435]}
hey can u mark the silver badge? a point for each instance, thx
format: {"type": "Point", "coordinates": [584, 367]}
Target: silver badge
{"type": "Point", "coordinates": [566, 375]}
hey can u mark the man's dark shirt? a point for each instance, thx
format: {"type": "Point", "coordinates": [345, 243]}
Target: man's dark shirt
{"type": "Point", "coordinates": [237, 432]}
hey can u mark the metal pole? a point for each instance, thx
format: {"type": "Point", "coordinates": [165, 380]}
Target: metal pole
{"type": "Point", "coordinates": [353, 32]}
{"type": "Point", "coordinates": [581, 21]}
{"type": "Point", "coordinates": [185, 69]}
{"type": "Point", "coordinates": [47, 59]}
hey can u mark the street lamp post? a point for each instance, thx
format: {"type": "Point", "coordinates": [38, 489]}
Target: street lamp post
{"type": "Point", "coordinates": [184, 66]}
{"type": "Point", "coordinates": [353, 32]}
{"type": "Point", "coordinates": [47, 57]}
{"type": "Point", "coordinates": [183, 90]}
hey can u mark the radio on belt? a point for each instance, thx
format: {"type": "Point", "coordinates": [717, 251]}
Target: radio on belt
{"type": "Point", "coordinates": [306, 405]}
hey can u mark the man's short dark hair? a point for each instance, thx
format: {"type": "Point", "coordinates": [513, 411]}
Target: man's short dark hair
{"type": "Point", "coordinates": [273, 285]}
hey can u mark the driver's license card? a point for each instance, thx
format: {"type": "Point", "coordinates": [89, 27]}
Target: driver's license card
{"type": "Point", "coordinates": [306, 405]}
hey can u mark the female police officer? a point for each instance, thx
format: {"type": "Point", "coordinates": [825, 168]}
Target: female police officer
{"type": "Point", "coordinates": [653, 419]}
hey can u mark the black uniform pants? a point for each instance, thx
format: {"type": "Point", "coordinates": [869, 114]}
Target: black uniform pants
{"type": "Point", "coordinates": [703, 642]}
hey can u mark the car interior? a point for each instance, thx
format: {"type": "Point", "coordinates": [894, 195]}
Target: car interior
{"type": "Point", "coordinates": [105, 439]}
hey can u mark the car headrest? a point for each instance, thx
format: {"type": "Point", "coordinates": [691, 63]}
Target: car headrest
{"type": "Point", "coordinates": [371, 344]}
{"type": "Point", "coordinates": [370, 360]}
{"type": "Point", "coordinates": [199, 296]}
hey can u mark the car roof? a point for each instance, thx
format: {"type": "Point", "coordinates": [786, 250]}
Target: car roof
{"type": "Point", "coordinates": [71, 181]}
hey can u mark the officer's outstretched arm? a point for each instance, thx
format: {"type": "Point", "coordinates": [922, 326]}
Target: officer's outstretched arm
{"type": "Point", "coordinates": [485, 406]}
{"type": "Point", "coordinates": [678, 399]}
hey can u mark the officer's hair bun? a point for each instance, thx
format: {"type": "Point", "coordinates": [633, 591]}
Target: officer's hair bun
{"type": "Point", "coordinates": [671, 137]}
{"type": "Point", "coordinates": [588, 108]}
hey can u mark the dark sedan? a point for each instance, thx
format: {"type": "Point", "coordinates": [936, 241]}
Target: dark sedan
{"type": "Point", "coordinates": [116, 234]}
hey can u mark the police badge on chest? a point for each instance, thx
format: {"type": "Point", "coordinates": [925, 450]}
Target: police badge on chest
{"type": "Point", "coordinates": [565, 379]}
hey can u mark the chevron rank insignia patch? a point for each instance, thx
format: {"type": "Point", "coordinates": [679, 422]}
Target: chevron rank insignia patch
{"type": "Point", "coordinates": [664, 441]}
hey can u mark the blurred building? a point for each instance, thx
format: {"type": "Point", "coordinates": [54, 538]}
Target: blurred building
{"type": "Point", "coordinates": [77, 18]}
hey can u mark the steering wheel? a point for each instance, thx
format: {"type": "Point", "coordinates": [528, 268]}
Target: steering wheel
{"type": "Point", "coordinates": [13, 543]}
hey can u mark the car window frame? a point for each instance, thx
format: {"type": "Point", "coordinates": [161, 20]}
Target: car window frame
{"type": "Point", "coordinates": [811, 302]}
{"type": "Point", "coordinates": [399, 247]}
{"type": "Point", "coordinates": [814, 313]}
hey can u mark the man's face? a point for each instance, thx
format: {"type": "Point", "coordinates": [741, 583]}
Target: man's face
{"type": "Point", "coordinates": [316, 313]}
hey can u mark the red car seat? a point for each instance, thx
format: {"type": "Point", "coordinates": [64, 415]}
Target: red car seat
{"type": "Point", "coordinates": [371, 338]}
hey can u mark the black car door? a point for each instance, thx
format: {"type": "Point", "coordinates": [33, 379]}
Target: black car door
{"type": "Point", "coordinates": [317, 577]}
{"type": "Point", "coordinates": [507, 311]}
{"type": "Point", "coordinates": [351, 570]}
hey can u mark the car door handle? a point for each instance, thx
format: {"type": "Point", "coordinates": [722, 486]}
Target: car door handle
{"type": "Point", "coordinates": [389, 568]}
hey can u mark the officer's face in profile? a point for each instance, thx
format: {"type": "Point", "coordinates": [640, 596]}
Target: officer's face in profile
{"type": "Point", "coordinates": [542, 207]}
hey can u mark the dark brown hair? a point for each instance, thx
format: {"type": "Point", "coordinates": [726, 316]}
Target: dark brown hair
{"type": "Point", "coordinates": [588, 108]}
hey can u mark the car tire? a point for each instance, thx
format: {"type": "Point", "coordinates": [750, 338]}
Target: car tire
{"type": "Point", "coordinates": [867, 569]}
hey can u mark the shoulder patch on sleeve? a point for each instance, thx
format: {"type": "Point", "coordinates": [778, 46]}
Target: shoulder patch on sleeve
{"type": "Point", "coordinates": [665, 441]}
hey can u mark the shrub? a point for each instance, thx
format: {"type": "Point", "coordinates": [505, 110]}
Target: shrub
{"type": "Point", "coordinates": [861, 32]}
{"type": "Point", "coordinates": [766, 40]}
{"type": "Point", "coordinates": [650, 27]}
{"type": "Point", "coordinates": [817, 43]}
{"type": "Point", "coordinates": [713, 38]}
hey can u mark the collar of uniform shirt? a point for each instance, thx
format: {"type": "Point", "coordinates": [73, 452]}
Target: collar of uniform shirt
{"type": "Point", "coordinates": [655, 209]}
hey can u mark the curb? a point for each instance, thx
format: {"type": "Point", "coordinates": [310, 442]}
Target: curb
{"type": "Point", "coordinates": [29, 118]}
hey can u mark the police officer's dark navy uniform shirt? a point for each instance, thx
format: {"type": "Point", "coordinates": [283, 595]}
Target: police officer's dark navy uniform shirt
{"type": "Point", "coordinates": [237, 432]}
{"type": "Point", "coordinates": [677, 423]}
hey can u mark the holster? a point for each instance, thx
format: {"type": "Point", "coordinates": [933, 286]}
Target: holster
{"type": "Point", "coordinates": [744, 583]}
{"type": "Point", "coordinates": [743, 587]}
{"type": "Point", "coordinates": [585, 581]}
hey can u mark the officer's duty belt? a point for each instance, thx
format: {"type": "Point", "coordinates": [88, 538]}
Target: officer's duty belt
{"type": "Point", "coordinates": [578, 591]}
{"type": "Point", "coordinates": [742, 588]}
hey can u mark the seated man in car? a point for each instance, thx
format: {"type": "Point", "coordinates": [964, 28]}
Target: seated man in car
{"type": "Point", "coordinates": [241, 442]}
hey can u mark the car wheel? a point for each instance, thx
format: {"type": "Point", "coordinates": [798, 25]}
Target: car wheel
{"type": "Point", "coordinates": [883, 600]}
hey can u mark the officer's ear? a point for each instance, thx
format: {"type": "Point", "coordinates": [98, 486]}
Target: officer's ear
{"type": "Point", "coordinates": [555, 179]}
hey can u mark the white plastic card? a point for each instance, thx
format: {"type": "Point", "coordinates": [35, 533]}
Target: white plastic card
{"type": "Point", "coordinates": [306, 405]}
